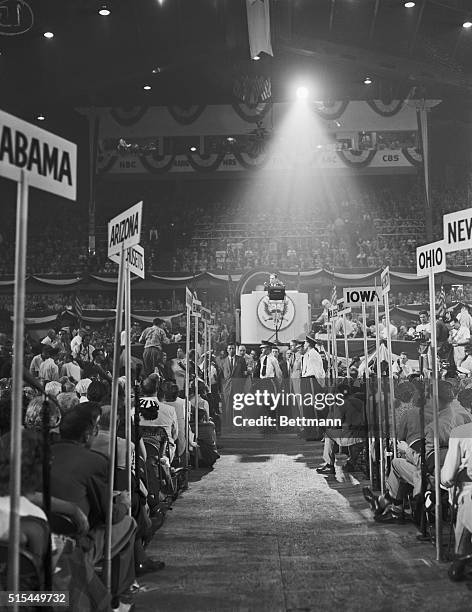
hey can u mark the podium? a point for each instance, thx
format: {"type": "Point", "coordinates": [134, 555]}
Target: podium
{"type": "Point", "coordinates": [261, 316]}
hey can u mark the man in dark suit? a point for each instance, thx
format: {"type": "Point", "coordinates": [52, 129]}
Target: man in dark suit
{"type": "Point", "coordinates": [233, 378]}
{"type": "Point", "coordinates": [80, 475]}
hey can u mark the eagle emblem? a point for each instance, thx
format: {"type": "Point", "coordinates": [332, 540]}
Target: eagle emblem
{"type": "Point", "coordinates": [276, 314]}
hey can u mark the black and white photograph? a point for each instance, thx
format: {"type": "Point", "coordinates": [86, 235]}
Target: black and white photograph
{"type": "Point", "coordinates": [236, 305]}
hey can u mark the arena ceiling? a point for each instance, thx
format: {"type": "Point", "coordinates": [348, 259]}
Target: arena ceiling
{"type": "Point", "coordinates": [198, 50]}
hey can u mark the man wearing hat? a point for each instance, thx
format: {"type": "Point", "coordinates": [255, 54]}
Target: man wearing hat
{"type": "Point", "coordinates": [295, 371]}
{"type": "Point", "coordinates": [153, 338]}
{"type": "Point", "coordinates": [312, 382]}
{"type": "Point", "coordinates": [267, 373]}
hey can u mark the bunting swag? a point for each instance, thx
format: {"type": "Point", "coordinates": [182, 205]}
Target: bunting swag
{"type": "Point", "coordinates": [257, 276]}
{"type": "Point", "coordinates": [331, 110]}
{"type": "Point", "coordinates": [185, 115]}
{"type": "Point", "coordinates": [98, 317]}
{"type": "Point", "coordinates": [252, 114]}
{"type": "Point", "coordinates": [129, 115]}
{"type": "Point", "coordinates": [386, 110]}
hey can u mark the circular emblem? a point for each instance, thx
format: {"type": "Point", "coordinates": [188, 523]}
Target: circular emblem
{"type": "Point", "coordinates": [278, 314]}
{"type": "Point", "coordinates": [16, 17]}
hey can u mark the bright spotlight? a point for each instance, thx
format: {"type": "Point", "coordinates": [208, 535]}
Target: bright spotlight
{"type": "Point", "coordinates": [48, 35]}
{"type": "Point", "coordinates": [193, 149]}
{"type": "Point", "coordinates": [467, 24]}
{"type": "Point", "coordinates": [368, 81]}
{"type": "Point", "coordinates": [302, 93]}
{"type": "Point", "coordinates": [409, 4]}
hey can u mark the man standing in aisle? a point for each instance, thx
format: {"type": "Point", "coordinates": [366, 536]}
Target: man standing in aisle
{"type": "Point", "coordinates": [295, 374]}
{"type": "Point", "coordinates": [153, 338]}
{"type": "Point", "coordinates": [312, 382]}
{"type": "Point", "coordinates": [233, 379]}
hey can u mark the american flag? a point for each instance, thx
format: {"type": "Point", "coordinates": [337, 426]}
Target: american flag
{"type": "Point", "coordinates": [442, 302]}
{"type": "Point", "coordinates": [334, 298]}
{"type": "Point", "coordinates": [78, 307]}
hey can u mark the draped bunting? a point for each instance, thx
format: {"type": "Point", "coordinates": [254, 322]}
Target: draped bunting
{"type": "Point", "coordinates": [98, 316]}
{"type": "Point", "coordinates": [316, 277]}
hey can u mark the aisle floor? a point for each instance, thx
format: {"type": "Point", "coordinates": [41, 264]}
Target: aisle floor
{"type": "Point", "coordinates": [264, 532]}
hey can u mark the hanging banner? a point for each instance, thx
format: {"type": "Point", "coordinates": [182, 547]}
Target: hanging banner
{"type": "Point", "coordinates": [125, 229]}
{"type": "Point", "coordinates": [49, 161]}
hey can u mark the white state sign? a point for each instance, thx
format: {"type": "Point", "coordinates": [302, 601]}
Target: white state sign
{"type": "Point", "coordinates": [49, 161]}
{"type": "Point", "coordinates": [457, 230]}
{"type": "Point", "coordinates": [430, 257]}
{"type": "Point", "coordinates": [361, 295]}
{"type": "Point", "coordinates": [134, 258]}
{"type": "Point", "coordinates": [125, 229]}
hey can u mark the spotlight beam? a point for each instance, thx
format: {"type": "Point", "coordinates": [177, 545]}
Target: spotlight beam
{"type": "Point", "coordinates": [374, 19]}
{"type": "Point", "coordinates": [412, 45]}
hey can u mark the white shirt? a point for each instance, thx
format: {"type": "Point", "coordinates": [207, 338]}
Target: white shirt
{"type": "Point", "coordinates": [75, 345]}
{"type": "Point", "coordinates": [393, 332]}
{"type": "Point", "coordinates": [424, 327]}
{"type": "Point", "coordinates": [404, 369]}
{"type": "Point", "coordinates": [272, 369]}
{"type": "Point", "coordinates": [465, 319]}
{"type": "Point", "coordinates": [178, 372]}
{"type": "Point", "coordinates": [27, 508]}
{"type": "Point", "coordinates": [461, 335]}
{"type": "Point", "coordinates": [467, 363]}
{"type": "Point", "coordinates": [312, 365]}
{"type": "Point", "coordinates": [179, 406]}
{"type": "Point", "coordinates": [167, 419]}
{"type": "Point", "coordinates": [48, 370]}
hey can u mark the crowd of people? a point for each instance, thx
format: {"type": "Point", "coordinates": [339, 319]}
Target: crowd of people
{"type": "Point", "coordinates": [209, 229]}
{"type": "Point", "coordinates": [69, 391]}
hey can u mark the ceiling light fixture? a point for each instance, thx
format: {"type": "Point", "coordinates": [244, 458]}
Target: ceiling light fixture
{"type": "Point", "coordinates": [193, 149]}
{"type": "Point", "coordinates": [368, 81]}
{"type": "Point", "coordinates": [48, 35]}
{"type": "Point", "coordinates": [409, 4]}
{"type": "Point", "coordinates": [467, 24]}
{"type": "Point", "coordinates": [256, 57]}
{"type": "Point", "coordinates": [104, 10]}
{"type": "Point", "coordinates": [147, 87]}
{"type": "Point", "coordinates": [40, 117]}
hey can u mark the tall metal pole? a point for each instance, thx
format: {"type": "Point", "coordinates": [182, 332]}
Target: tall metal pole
{"type": "Point", "coordinates": [187, 385]}
{"type": "Point", "coordinates": [346, 345]}
{"type": "Point", "coordinates": [379, 398]}
{"type": "Point", "coordinates": [367, 395]}
{"type": "Point", "coordinates": [434, 382]}
{"type": "Point", "coordinates": [17, 391]}
{"type": "Point", "coordinates": [113, 417]}
{"type": "Point", "coordinates": [196, 390]}
{"type": "Point", "coordinates": [391, 389]}
{"type": "Point", "coordinates": [128, 376]}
